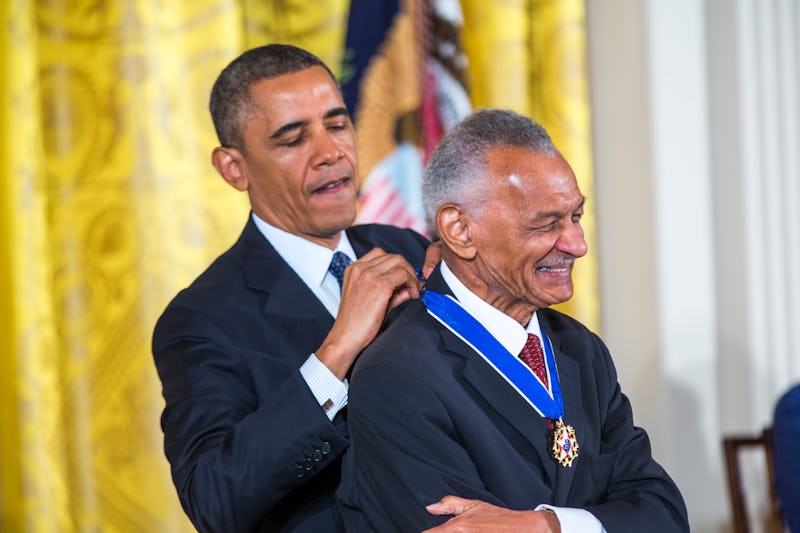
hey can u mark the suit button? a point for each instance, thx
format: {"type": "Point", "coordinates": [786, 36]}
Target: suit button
{"type": "Point", "coordinates": [309, 464]}
{"type": "Point", "coordinates": [326, 448]}
{"type": "Point", "coordinates": [317, 456]}
{"type": "Point", "coordinates": [299, 471]}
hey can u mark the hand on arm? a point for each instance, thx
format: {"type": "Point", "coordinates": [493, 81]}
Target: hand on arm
{"type": "Point", "coordinates": [373, 285]}
{"type": "Point", "coordinates": [475, 515]}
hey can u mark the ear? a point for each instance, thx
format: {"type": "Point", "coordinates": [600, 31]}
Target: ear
{"type": "Point", "coordinates": [453, 224]}
{"type": "Point", "coordinates": [227, 161]}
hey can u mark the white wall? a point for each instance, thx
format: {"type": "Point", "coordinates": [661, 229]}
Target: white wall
{"type": "Point", "coordinates": [697, 168]}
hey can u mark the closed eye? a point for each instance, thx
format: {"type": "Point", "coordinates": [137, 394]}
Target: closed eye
{"type": "Point", "coordinates": [548, 227]}
{"type": "Point", "coordinates": [296, 141]}
{"type": "Point", "coordinates": [543, 228]}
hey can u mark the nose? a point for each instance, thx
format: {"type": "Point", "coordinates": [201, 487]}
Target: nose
{"type": "Point", "coordinates": [572, 241]}
{"type": "Point", "coordinates": [326, 150]}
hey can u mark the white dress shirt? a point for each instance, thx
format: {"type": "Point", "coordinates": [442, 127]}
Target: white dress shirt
{"type": "Point", "coordinates": [513, 336]}
{"type": "Point", "coordinates": [310, 261]}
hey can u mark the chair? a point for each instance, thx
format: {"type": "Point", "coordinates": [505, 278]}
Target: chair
{"type": "Point", "coordinates": [733, 445]}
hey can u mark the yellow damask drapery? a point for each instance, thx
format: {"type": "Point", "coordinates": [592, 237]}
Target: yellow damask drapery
{"type": "Point", "coordinates": [108, 206]}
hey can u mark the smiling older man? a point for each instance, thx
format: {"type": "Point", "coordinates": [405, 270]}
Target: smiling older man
{"type": "Point", "coordinates": [479, 389]}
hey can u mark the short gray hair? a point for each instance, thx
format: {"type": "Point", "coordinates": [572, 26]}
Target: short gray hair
{"type": "Point", "coordinates": [461, 158]}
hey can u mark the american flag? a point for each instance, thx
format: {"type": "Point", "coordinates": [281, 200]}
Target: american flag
{"type": "Point", "coordinates": [405, 82]}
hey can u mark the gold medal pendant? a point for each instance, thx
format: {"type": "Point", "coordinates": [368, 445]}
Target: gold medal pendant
{"type": "Point", "coordinates": [565, 445]}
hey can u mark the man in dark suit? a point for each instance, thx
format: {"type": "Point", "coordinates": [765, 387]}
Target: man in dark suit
{"type": "Point", "coordinates": [252, 362]}
{"type": "Point", "coordinates": [441, 404]}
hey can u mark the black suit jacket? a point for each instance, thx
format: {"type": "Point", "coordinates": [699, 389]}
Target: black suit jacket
{"type": "Point", "coordinates": [249, 446]}
{"type": "Point", "coordinates": [429, 417]}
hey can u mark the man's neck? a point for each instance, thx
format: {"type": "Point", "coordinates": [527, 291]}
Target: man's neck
{"type": "Point", "coordinates": [328, 241]}
{"type": "Point", "coordinates": [469, 275]}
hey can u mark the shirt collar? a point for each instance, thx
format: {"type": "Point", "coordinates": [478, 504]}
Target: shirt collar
{"type": "Point", "coordinates": [308, 259]}
{"type": "Point", "coordinates": [502, 327]}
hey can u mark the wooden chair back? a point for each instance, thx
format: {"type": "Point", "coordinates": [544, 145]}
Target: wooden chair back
{"type": "Point", "coordinates": [733, 445]}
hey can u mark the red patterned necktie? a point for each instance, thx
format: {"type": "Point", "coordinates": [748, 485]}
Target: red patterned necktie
{"type": "Point", "coordinates": [533, 356]}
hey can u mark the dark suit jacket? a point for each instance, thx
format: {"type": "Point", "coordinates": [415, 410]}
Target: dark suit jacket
{"type": "Point", "coordinates": [249, 446]}
{"type": "Point", "coordinates": [429, 417]}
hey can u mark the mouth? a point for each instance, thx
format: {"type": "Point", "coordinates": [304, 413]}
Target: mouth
{"type": "Point", "coordinates": [561, 267]}
{"type": "Point", "coordinates": [333, 186]}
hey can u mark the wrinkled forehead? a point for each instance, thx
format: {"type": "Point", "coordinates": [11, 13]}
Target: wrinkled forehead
{"type": "Point", "coordinates": [299, 97]}
{"type": "Point", "coordinates": [531, 180]}
{"type": "Point", "coordinates": [304, 86]}
{"type": "Point", "coordinates": [516, 164]}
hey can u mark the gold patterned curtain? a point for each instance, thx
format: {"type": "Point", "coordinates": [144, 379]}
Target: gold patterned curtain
{"type": "Point", "coordinates": [109, 205]}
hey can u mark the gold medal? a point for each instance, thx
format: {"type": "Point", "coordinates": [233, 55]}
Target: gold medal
{"type": "Point", "coordinates": [565, 445]}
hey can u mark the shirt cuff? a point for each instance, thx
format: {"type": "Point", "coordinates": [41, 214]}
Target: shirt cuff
{"type": "Point", "coordinates": [330, 391]}
{"type": "Point", "coordinates": [573, 519]}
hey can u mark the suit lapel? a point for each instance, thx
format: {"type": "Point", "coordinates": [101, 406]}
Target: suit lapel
{"type": "Point", "coordinates": [498, 393]}
{"type": "Point", "coordinates": [506, 401]}
{"type": "Point", "coordinates": [289, 303]}
{"type": "Point", "coordinates": [360, 246]}
{"type": "Point", "coordinates": [569, 379]}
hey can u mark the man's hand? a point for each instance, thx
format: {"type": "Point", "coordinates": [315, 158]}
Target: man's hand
{"type": "Point", "coordinates": [478, 516]}
{"type": "Point", "coordinates": [373, 285]}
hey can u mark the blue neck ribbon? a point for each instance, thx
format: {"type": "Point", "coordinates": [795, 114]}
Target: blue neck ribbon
{"type": "Point", "coordinates": [449, 312]}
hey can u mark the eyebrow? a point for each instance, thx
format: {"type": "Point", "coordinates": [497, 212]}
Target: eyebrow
{"type": "Point", "coordinates": [333, 113]}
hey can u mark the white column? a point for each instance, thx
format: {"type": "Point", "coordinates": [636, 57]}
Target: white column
{"type": "Point", "coordinates": [685, 263]}
{"type": "Point", "coordinates": [754, 58]}
{"type": "Point", "coordinates": [696, 116]}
